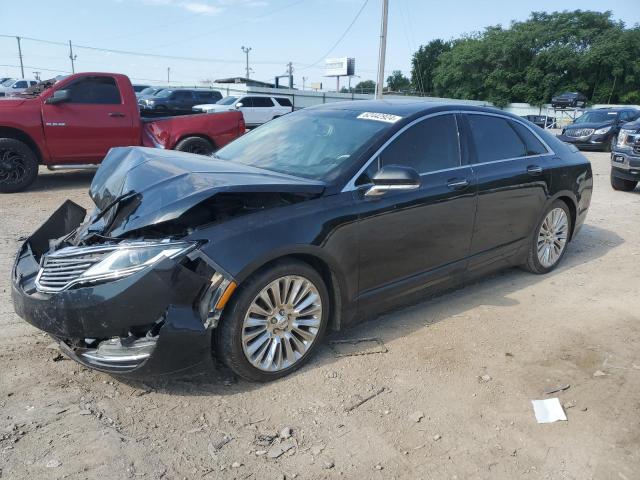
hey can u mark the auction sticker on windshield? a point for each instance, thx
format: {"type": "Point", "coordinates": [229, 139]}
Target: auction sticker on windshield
{"type": "Point", "coordinates": [380, 117]}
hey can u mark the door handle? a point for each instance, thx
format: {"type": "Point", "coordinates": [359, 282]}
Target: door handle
{"type": "Point", "coordinates": [116, 114]}
{"type": "Point", "coordinates": [458, 184]}
{"type": "Point", "coordinates": [534, 170]}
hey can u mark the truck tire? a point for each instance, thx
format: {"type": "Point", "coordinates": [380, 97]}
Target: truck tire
{"type": "Point", "coordinates": [622, 184]}
{"type": "Point", "coordinates": [198, 145]}
{"type": "Point", "coordinates": [18, 165]}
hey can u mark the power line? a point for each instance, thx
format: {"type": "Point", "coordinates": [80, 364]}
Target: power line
{"type": "Point", "coordinates": [339, 39]}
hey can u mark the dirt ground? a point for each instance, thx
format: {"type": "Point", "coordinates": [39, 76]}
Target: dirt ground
{"type": "Point", "coordinates": [450, 398]}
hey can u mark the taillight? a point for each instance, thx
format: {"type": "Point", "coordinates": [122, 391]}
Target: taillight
{"type": "Point", "coordinates": [242, 128]}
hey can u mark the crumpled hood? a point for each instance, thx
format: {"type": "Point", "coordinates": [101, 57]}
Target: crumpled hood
{"type": "Point", "coordinates": [168, 183]}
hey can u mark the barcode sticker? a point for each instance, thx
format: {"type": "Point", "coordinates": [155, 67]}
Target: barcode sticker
{"type": "Point", "coordinates": [380, 117]}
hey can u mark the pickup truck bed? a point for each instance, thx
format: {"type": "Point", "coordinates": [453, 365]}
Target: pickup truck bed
{"type": "Point", "coordinates": [73, 124]}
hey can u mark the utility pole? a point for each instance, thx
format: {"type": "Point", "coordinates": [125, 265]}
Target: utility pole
{"type": "Point", "coordinates": [246, 51]}
{"type": "Point", "coordinates": [72, 57]}
{"type": "Point", "coordinates": [290, 70]}
{"type": "Point", "coordinates": [383, 49]}
{"type": "Point", "coordinates": [304, 80]}
{"type": "Point", "coordinates": [168, 74]}
{"type": "Point", "coordinates": [20, 57]}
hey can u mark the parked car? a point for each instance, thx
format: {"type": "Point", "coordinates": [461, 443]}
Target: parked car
{"type": "Point", "coordinates": [598, 129]}
{"type": "Point", "coordinates": [625, 158]}
{"type": "Point", "coordinates": [74, 122]}
{"type": "Point", "coordinates": [148, 92]}
{"type": "Point", "coordinates": [11, 87]}
{"type": "Point", "coordinates": [569, 100]}
{"type": "Point", "coordinates": [543, 121]}
{"type": "Point", "coordinates": [172, 100]}
{"type": "Point", "coordinates": [311, 222]}
{"type": "Point", "coordinates": [4, 79]}
{"type": "Point", "coordinates": [139, 88]}
{"type": "Point", "coordinates": [256, 109]}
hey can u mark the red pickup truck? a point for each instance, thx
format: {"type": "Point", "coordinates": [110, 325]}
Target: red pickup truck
{"type": "Point", "coordinates": [73, 124]}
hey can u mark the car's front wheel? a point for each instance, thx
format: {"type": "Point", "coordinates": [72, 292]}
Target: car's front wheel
{"type": "Point", "coordinates": [622, 184]}
{"type": "Point", "coordinates": [549, 239]}
{"type": "Point", "coordinates": [275, 321]}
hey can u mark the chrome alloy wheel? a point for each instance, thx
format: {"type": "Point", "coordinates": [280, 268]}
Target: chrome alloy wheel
{"type": "Point", "coordinates": [282, 323]}
{"type": "Point", "coordinates": [552, 237]}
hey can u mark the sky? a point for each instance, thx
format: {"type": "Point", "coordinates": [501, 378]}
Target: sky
{"type": "Point", "coordinates": [211, 33]}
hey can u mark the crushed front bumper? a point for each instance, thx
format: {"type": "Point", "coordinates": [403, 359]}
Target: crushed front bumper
{"type": "Point", "coordinates": [149, 323]}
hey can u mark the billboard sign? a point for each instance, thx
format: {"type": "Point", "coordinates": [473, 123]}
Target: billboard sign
{"type": "Point", "coordinates": [339, 67]}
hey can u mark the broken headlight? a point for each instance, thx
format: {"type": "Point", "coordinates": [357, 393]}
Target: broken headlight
{"type": "Point", "coordinates": [131, 258]}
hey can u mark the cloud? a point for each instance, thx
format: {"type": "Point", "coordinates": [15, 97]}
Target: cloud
{"type": "Point", "coordinates": [198, 7]}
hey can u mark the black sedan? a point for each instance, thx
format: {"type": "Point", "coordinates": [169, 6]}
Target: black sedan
{"type": "Point", "coordinates": [311, 222]}
{"type": "Point", "coordinates": [569, 100]}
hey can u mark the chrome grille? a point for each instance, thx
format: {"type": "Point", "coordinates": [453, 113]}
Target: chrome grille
{"type": "Point", "coordinates": [579, 132]}
{"type": "Point", "coordinates": [60, 270]}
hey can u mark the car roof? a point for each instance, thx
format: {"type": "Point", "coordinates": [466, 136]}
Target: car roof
{"type": "Point", "coordinates": [404, 107]}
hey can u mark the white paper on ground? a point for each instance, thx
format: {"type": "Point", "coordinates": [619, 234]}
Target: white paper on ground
{"type": "Point", "coordinates": [548, 411]}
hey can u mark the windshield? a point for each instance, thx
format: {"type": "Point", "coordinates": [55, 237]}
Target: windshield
{"type": "Point", "coordinates": [597, 117]}
{"type": "Point", "coordinates": [312, 144]}
{"type": "Point", "coordinates": [147, 91]}
{"type": "Point", "coordinates": [227, 100]}
{"type": "Point", "coordinates": [164, 93]}
{"type": "Point", "coordinates": [6, 83]}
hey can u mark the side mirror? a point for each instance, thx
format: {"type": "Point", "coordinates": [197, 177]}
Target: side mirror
{"type": "Point", "coordinates": [59, 96]}
{"type": "Point", "coordinates": [393, 177]}
{"type": "Point", "coordinates": [239, 105]}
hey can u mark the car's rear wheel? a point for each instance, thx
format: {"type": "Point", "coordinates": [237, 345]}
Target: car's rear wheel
{"type": "Point", "coordinates": [275, 322]}
{"type": "Point", "coordinates": [18, 165]}
{"type": "Point", "coordinates": [622, 184]}
{"type": "Point", "coordinates": [198, 145]}
{"type": "Point", "coordinates": [549, 239]}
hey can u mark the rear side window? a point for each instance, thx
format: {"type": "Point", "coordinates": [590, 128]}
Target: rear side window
{"type": "Point", "coordinates": [284, 102]}
{"type": "Point", "coordinates": [214, 95]}
{"type": "Point", "coordinates": [430, 145]}
{"type": "Point", "coordinates": [531, 142]}
{"type": "Point", "coordinates": [182, 95]}
{"type": "Point", "coordinates": [94, 90]}
{"type": "Point", "coordinates": [495, 139]}
{"type": "Point", "coordinates": [262, 102]}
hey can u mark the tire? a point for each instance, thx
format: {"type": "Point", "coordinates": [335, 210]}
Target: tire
{"type": "Point", "coordinates": [537, 261]}
{"type": "Point", "coordinates": [198, 145]}
{"type": "Point", "coordinates": [622, 184]}
{"type": "Point", "coordinates": [18, 165]}
{"type": "Point", "coordinates": [245, 348]}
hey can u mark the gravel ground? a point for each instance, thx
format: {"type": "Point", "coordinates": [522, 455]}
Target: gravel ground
{"type": "Point", "coordinates": [450, 398]}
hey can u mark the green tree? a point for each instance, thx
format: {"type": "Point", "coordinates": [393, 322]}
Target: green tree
{"type": "Point", "coordinates": [424, 63]}
{"type": "Point", "coordinates": [366, 86]}
{"type": "Point", "coordinates": [533, 60]}
{"type": "Point", "coordinates": [397, 82]}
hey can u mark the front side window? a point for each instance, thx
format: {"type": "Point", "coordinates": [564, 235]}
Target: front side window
{"type": "Point", "coordinates": [94, 90]}
{"type": "Point", "coordinates": [20, 84]}
{"type": "Point", "coordinates": [262, 102]}
{"type": "Point", "coordinates": [495, 139]}
{"type": "Point", "coordinates": [427, 146]}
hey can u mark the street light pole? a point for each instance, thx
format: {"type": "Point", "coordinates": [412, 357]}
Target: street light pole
{"type": "Point", "coordinates": [246, 50]}
{"type": "Point", "coordinates": [383, 48]}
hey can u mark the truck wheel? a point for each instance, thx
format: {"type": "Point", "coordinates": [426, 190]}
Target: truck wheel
{"type": "Point", "coordinates": [198, 145]}
{"type": "Point", "coordinates": [18, 165]}
{"type": "Point", "coordinates": [622, 184]}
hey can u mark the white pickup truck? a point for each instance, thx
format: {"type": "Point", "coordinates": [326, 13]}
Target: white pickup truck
{"type": "Point", "coordinates": [256, 109]}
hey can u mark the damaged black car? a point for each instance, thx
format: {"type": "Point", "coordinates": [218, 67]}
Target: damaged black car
{"type": "Point", "coordinates": [311, 222]}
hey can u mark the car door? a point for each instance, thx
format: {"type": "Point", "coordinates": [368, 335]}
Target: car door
{"type": "Point", "coordinates": [411, 239]}
{"type": "Point", "coordinates": [263, 108]}
{"type": "Point", "coordinates": [247, 110]}
{"type": "Point", "coordinates": [512, 169]}
{"type": "Point", "coordinates": [83, 129]}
